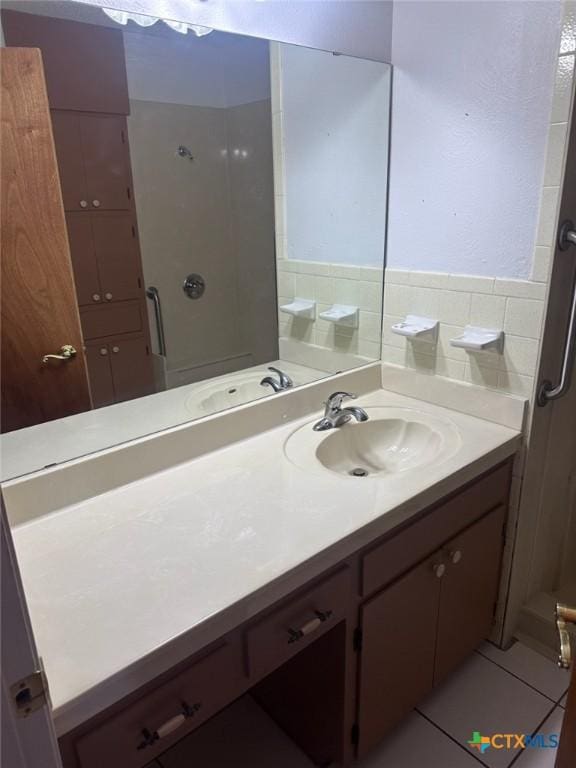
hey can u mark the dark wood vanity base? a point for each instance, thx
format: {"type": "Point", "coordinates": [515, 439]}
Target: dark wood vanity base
{"type": "Point", "coordinates": [341, 661]}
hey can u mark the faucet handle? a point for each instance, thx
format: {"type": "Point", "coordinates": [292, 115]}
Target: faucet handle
{"type": "Point", "coordinates": [336, 398]}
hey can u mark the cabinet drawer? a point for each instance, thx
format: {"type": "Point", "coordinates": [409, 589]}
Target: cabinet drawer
{"type": "Point", "coordinates": [296, 624]}
{"type": "Point", "coordinates": [395, 555]}
{"type": "Point", "coordinates": [111, 319]}
{"type": "Point", "coordinates": [204, 688]}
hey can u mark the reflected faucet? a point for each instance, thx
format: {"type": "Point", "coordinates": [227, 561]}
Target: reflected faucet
{"type": "Point", "coordinates": [278, 385]}
{"type": "Point", "coordinates": [335, 416]}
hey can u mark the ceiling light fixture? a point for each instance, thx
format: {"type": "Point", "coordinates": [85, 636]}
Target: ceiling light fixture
{"type": "Point", "coordinates": [123, 17]}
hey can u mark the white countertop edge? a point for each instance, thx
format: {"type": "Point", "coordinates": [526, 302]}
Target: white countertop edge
{"type": "Point", "coordinates": [111, 690]}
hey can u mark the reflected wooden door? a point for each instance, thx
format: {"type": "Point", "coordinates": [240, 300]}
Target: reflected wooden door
{"type": "Point", "coordinates": [566, 757]}
{"type": "Point", "coordinates": [39, 309]}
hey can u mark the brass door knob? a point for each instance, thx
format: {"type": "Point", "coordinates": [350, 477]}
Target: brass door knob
{"type": "Point", "coordinates": [67, 352]}
{"type": "Point", "coordinates": [564, 616]}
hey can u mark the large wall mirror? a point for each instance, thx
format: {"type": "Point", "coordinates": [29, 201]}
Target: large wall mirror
{"type": "Point", "coordinates": [225, 206]}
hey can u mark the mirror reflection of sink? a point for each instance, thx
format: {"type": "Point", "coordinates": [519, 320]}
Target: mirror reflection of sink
{"type": "Point", "coordinates": [392, 441]}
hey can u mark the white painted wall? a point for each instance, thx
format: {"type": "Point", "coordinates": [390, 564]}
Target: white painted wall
{"type": "Point", "coordinates": [335, 115]}
{"type": "Point", "coordinates": [355, 27]}
{"type": "Point", "coordinates": [471, 105]}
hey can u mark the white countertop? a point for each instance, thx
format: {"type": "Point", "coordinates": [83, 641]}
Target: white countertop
{"type": "Point", "coordinates": [124, 585]}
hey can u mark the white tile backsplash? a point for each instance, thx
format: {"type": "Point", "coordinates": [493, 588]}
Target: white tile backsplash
{"type": "Point", "coordinates": [515, 306]}
{"type": "Point", "coordinates": [327, 284]}
{"type": "Point", "coordinates": [563, 89]}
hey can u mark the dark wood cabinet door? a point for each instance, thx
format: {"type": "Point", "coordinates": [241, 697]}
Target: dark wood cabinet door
{"type": "Point", "coordinates": [117, 255]}
{"type": "Point", "coordinates": [86, 277]}
{"type": "Point", "coordinates": [100, 373]}
{"type": "Point", "coordinates": [469, 591]}
{"type": "Point", "coordinates": [84, 64]}
{"type": "Point", "coordinates": [398, 647]}
{"type": "Point", "coordinates": [68, 141]}
{"type": "Point", "coordinates": [105, 162]}
{"type": "Point", "coordinates": [131, 368]}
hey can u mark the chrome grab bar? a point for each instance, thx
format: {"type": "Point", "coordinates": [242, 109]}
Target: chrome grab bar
{"type": "Point", "coordinates": [153, 295]}
{"type": "Point", "coordinates": [548, 392]}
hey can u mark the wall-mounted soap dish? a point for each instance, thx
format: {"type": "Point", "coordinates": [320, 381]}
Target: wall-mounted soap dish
{"type": "Point", "coordinates": [342, 314]}
{"type": "Point", "coordinates": [417, 327]}
{"type": "Point", "coordinates": [300, 308]}
{"type": "Point", "coordinates": [476, 339]}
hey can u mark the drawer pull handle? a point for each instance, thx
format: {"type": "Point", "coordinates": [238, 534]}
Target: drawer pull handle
{"type": "Point", "coordinates": [171, 725]}
{"type": "Point", "coordinates": [309, 627]}
{"type": "Point", "coordinates": [439, 570]}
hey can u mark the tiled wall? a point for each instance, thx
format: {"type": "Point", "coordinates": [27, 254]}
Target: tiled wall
{"type": "Point", "coordinates": [515, 306]}
{"type": "Point", "coordinates": [327, 284]}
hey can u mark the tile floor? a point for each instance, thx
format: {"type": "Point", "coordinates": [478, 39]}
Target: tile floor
{"type": "Point", "coordinates": [517, 691]}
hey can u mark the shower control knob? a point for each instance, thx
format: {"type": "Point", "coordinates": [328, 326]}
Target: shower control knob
{"type": "Point", "coordinates": [83, 203]}
{"type": "Point", "coordinates": [108, 296]}
{"type": "Point", "coordinates": [455, 556]}
{"type": "Point", "coordinates": [439, 570]}
{"type": "Point", "coordinates": [96, 203]}
{"type": "Point", "coordinates": [95, 297]}
{"type": "Point", "coordinates": [103, 351]}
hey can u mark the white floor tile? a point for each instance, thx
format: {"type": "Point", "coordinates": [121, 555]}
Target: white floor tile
{"type": "Point", "coordinates": [481, 696]}
{"type": "Point", "coordinates": [242, 736]}
{"type": "Point", "coordinates": [536, 670]}
{"type": "Point", "coordinates": [535, 757]}
{"type": "Point", "coordinates": [415, 744]}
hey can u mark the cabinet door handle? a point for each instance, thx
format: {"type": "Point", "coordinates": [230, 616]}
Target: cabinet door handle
{"type": "Point", "coordinates": [96, 203]}
{"type": "Point", "coordinates": [309, 626]}
{"type": "Point", "coordinates": [455, 556]}
{"type": "Point", "coordinates": [439, 570]}
{"type": "Point", "coordinates": [95, 297]}
{"type": "Point", "coordinates": [67, 352]}
{"type": "Point", "coordinates": [115, 349]}
{"type": "Point", "coordinates": [108, 296]}
{"type": "Point", "coordinates": [83, 203]}
{"type": "Point", "coordinates": [103, 351]}
{"type": "Point", "coordinates": [171, 725]}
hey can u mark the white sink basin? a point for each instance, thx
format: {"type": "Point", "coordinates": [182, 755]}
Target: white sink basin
{"type": "Point", "coordinates": [393, 440]}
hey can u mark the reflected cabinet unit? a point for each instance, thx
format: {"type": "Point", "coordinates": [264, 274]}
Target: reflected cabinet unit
{"type": "Point", "coordinates": [87, 88]}
{"type": "Point", "coordinates": [341, 660]}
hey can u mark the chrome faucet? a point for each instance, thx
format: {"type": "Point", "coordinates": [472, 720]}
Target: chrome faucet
{"type": "Point", "coordinates": [335, 415]}
{"type": "Point", "coordinates": [278, 385]}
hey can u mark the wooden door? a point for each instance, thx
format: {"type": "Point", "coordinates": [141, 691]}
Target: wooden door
{"type": "Point", "coordinates": [39, 308]}
{"type": "Point", "coordinates": [469, 591]}
{"type": "Point", "coordinates": [398, 645]}
{"type": "Point", "coordinates": [85, 265]}
{"type": "Point", "coordinates": [105, 162]}
{"type": "Point", "coordinates": [566, 756]}
{"type": "Point", "coordinates": [117, 255]}
{"type": "Point", "coordinates": [68, 141]}
{"type": "Point", "coordinates": [131, 368]}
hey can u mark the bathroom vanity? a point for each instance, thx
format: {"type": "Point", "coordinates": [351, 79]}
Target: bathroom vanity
{"type": "Point", "coordinates": [245, 570]}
